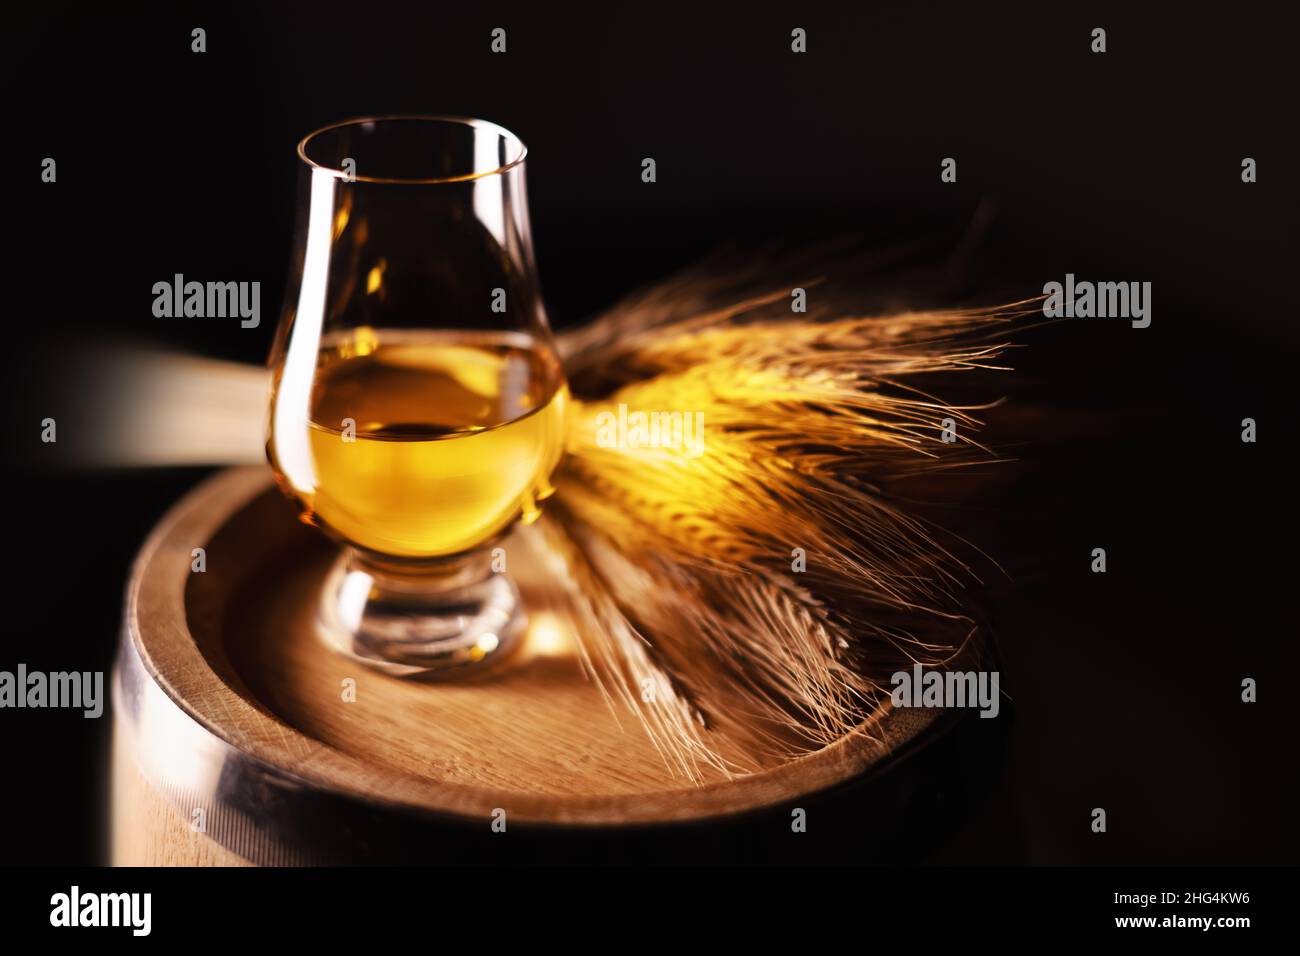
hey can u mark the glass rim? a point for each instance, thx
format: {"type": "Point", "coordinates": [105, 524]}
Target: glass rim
{"type": "Point", "coordinates": [465, 121]}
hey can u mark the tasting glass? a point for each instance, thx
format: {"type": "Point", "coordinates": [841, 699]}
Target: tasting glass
{"type": "Point", "coordinates": [417, 404]}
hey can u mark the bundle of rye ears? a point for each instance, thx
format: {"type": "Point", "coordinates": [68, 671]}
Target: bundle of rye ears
{"type": "Point", "coordinates": [765, 582]}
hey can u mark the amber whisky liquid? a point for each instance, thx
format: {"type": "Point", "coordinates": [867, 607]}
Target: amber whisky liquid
{"type": "Point", "coordinates": [428, 444]}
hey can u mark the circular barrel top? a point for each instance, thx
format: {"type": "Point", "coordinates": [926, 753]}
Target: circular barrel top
{"type": "Point", "coordinates": [236, 651]}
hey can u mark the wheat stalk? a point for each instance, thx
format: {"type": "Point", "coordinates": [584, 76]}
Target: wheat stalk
{"type": "Point", "coordinates": [689, 610]}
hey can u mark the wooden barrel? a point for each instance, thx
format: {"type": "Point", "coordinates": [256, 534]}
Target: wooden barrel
{"type": "Point", "coordinates": [239, 738]}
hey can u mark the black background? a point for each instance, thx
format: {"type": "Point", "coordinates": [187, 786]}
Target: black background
{"type": "Point", "coordinates": [1122, 166]}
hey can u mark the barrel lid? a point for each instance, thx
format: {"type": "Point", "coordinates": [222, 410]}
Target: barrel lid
{"type": "Point", "coordinates": [230, 699]}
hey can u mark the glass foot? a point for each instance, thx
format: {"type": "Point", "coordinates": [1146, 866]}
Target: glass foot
{"type": "Point", "coordinates": [457, 616]}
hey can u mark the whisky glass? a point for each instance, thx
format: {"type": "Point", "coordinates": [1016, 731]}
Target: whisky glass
{"type": "Point", "coordinates": [417, 407]}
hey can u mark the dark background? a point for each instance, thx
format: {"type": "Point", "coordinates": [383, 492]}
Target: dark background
{"type": "Point", "coordinates": [1122, 166]}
